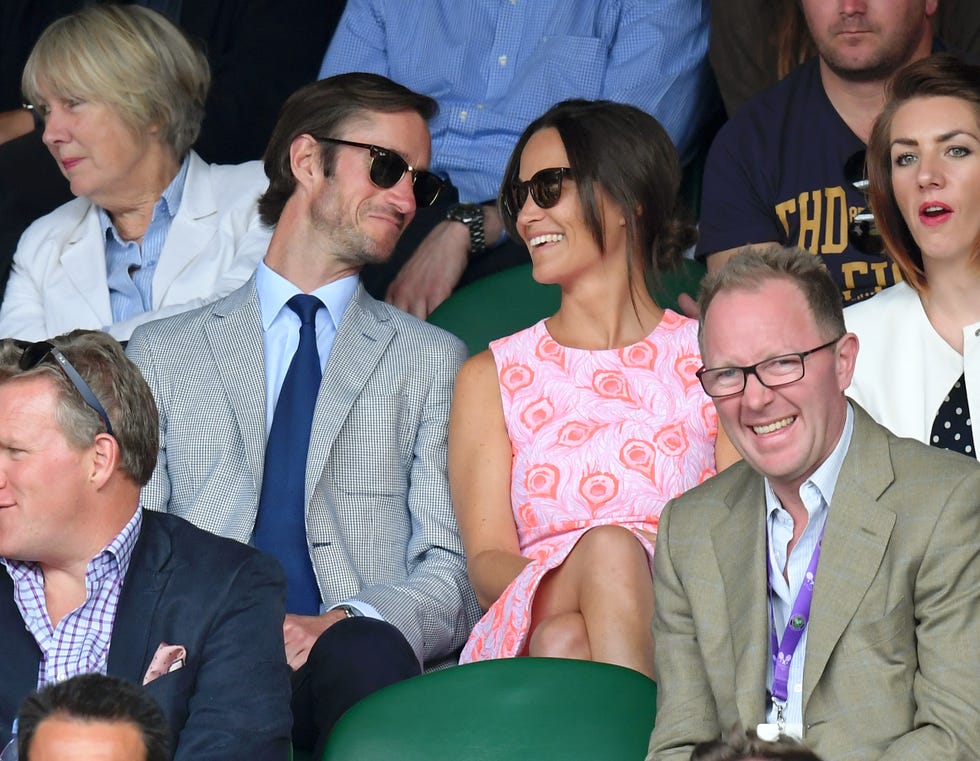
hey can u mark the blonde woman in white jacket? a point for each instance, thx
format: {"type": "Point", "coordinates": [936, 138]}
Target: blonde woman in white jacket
{"type": "Point", "coordinates": [154, 229]}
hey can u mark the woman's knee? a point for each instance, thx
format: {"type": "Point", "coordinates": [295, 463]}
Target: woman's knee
{"type": "Point", "coordinates": [561, 636]}
{"type": "Point", "coordinates": [611, 547]}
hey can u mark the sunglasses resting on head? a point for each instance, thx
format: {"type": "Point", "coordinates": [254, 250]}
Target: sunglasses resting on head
{"type": "Point", "coordinates": [387, 168]}
{"type": "Point", "coordinates": [35, 353]}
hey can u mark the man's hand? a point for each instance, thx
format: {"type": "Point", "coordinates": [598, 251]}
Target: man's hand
{"type": "Point", "coordinates": [301, 632]}
{"type": "Point", "coordinates": [432, 272]}
{"type": "Point", "coordinates": [688, 306]}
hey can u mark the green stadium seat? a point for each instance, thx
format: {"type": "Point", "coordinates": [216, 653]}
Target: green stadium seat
{"type": "Point", "coordinates": [501, 710]}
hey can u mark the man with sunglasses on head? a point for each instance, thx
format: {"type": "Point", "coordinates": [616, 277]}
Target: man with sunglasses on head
{"type": "Point", "coordinates": [300, 414]}
{"type": "Point", "coordinates": [789, 166]}
{"type": "Point", "coordinates": [826, 586]}
{"type": "Point", "coordinates": [91, 583]}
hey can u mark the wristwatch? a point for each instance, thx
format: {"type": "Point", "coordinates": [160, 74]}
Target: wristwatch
{"type": "Point", "coordinates": [471, 215]}
{"type": "Point", "coordinates": [350, 611]}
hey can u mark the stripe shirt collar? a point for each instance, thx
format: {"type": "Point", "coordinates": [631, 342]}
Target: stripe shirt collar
{"type": "Point", "coordinates": [168, 204]}
{"type": "Point", "coordinates": [119, 551]}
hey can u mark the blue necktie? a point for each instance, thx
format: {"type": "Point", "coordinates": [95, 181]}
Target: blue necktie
{"type": "Point", "coordinates": [280, 526]}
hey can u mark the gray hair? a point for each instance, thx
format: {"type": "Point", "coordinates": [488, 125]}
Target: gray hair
{"type": "Point", "coordinates": [129, 58]}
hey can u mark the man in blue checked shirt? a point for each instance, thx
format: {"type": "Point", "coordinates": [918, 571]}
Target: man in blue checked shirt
{"type": "Point", "coordinates": [494, 66]}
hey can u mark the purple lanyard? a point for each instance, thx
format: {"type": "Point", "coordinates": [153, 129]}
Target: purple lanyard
{"type": "Point", "coordinates": [782, 652]}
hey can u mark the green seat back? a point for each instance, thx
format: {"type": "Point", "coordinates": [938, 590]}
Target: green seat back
{"type": "Point", "coordinates": [495, 306]}
{"type": "Point", "coordinates": [501, 710]}
{"type": "Point", "coordinates": [511, 300]}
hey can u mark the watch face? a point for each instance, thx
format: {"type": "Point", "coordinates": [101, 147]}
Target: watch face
{"type": "Point", "coordinates": [464, 212]}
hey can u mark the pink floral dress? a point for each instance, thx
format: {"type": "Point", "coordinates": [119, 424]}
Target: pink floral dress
{"type": "Point", "coordinates": [599, 437]}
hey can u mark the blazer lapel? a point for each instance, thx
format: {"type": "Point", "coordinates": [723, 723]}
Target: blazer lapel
{"type": "Point", "coordinates": [131, 649]}
{"type": "Point", "coordinates": [83, 261]}
{"type": "Point", "coordinates": [192, 230]}
{"type": "Point", "coordinates": [361, 340]}
{"type": "Point", "coordinates": [21, 655]}
{"type": "Point", "coordinates": [854, 542]}
{"type": "Point", "coordinates": [234, 334]}
{"type": "Point", "coordinates": [740, 547]}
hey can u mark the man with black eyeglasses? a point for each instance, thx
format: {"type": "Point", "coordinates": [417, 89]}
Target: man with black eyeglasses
{"type": "Point", "coordinates": [90, 583]}
{"type": "Point", "coordinates": [825, 587]}
{"type": "Point", "coordinates": [305, 417]}
{"type": "Point", "coordinates": [788, 167]}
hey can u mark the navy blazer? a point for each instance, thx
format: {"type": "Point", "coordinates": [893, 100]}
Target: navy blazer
{"type": "Point", "coordinates": [224, 602]}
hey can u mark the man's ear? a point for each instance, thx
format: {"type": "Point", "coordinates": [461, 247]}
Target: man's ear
{"type": "Point", "coordinates": [106, 459]}
{"type": "Point", "coordinates": [305, 160]}
{"type": "Point", "coordinates": [847, 351]}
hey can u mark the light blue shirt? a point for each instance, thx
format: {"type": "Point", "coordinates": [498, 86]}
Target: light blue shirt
{"type": "Point", "coordinates": [817, 493]}
{"type": "Point", "coordinates": [130, 266]}
{"type": "Point", "coordinates": [280, 326]}
{"type": "Point", "coordinates": [280, 338]}
{"type": "Point", "coordinates": [496, 65]}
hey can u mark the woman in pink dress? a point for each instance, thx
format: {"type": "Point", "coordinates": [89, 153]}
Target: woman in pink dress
{"type": "Point", "coordinates": [567, 439]}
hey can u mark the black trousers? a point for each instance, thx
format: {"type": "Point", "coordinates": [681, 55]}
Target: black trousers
{"type": "Point", "coordinates": [350, 660]}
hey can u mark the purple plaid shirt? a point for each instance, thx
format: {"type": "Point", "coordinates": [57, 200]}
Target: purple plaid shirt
{"type": "Point", "coordinates": [80, 642]}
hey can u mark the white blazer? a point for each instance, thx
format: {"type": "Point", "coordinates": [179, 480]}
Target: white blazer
{"type": "Point", "coordinates": [59, 282]}
{"type": "Point", "coordinates": [904, 367]}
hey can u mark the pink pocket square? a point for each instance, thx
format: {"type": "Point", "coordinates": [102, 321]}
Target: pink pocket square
{"type": "Point", "coordinates": [167, 658]}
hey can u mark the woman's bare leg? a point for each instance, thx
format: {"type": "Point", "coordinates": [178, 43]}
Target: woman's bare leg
{"type": "Point", "coordinates": [604, 589]}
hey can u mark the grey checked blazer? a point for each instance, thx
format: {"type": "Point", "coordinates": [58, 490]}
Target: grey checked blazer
{"type": "Point", "coordinates": [379, 519]}
{"type": "Point", "coordinates": [891, 671]}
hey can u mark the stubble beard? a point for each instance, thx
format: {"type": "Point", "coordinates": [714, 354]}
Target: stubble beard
{"type": "Point", "coordinates": [353, 248]}
{"type": "Point", "coordinates": [876, 66]}
{"type": "Point", "coordinates": [350, 246]}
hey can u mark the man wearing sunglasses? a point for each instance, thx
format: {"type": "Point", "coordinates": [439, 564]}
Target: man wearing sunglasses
{"type": "Point", "coordinates": [316, 428]}
{"type": "Point", "coordinates": [826, 586]}
{"type": "Point", "coordinates": [90, 583]}
{"type": "Point", "coordinates": [789, 166]}
{"type": "Point", "coordinates": [494, 67]}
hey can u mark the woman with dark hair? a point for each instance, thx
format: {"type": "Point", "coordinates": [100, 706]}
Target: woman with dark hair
{"type": "Point", "coordinates": [918, 371]}
{"type": "Point", "coordinates": [567, 439]}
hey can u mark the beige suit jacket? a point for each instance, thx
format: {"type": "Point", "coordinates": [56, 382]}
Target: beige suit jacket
{"type": "Point", "coordinates": [891, 668]}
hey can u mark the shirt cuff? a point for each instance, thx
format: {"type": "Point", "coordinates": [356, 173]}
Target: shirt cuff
{"type": "Point", "coordinates": [361, 607]}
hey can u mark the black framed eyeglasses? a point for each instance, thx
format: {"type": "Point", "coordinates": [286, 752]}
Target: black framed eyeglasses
{"type": "Point", "coordinates": [35, 353]}
{"type": "Point", "coordinates": [862, 233]}
{"type": "Point", "coordinates": [544, 187]}
{"type": "Point", "coordinates": [387, 168]}
{"type": "Point", "coordinates": [771, 373]}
